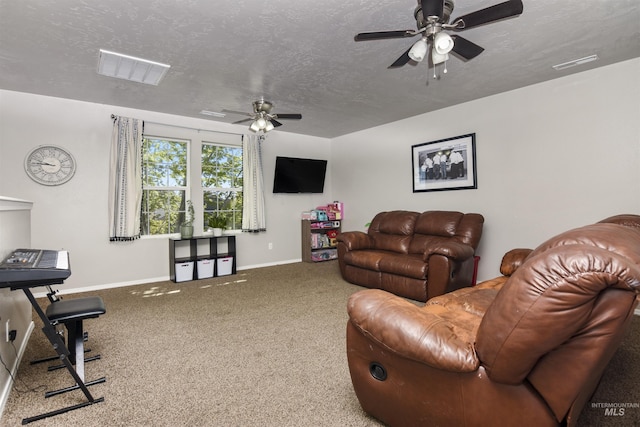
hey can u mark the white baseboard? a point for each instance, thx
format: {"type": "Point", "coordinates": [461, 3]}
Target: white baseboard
{"type": "Point", "coordinates": [151, 280]}
{"type": "Point", "coordinates": [104, 286]}
{"type": "Point", "coordinates": [271, 264]}
{"type": "Point", "coordinates": [637, 311]}
{"type": "Point", "coordinates": [13, 369]}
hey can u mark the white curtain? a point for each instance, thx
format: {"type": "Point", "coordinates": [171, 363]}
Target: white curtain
{"type": "Point", "coordinates": [253, 214]}
{"type": "Point", "coordinates": [125, 179]}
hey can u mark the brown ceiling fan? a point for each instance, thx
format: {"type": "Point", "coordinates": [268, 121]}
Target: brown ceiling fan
{"type": "Point", "coordinates": [262, 119]}
{"type": "Point", "coordinates": [432, 18]}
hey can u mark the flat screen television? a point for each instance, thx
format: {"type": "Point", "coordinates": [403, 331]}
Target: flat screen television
{"type": "Point", "coordinates": [294, 175]}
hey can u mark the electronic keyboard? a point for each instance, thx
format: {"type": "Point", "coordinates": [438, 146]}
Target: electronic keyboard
{"type": "Point", "coordinates": [34, 267]}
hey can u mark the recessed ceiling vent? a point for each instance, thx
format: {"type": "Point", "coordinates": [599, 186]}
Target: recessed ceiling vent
{"type": "Point", "coordinates": [575, 62]}
{"type": "Point", "coordinates": [127, 67]}
{"type": "Point", "coordinates": [212, 113]}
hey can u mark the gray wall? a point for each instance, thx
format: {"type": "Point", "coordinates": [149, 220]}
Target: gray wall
{"type": "Point", "coordinates": [73, 216]}
{"type": "Point", "coordinates": [550, 157]}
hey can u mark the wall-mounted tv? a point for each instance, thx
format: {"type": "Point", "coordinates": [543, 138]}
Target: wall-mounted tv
{"type": "Point", "coordinates": [294, 175]}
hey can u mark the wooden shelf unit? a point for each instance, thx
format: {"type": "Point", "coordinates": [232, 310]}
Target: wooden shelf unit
{"type": "Point", "coordinates": [316, 245]}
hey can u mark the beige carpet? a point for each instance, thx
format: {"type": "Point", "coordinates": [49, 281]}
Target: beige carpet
{"type": "Point", "coordinates": [265, 347]}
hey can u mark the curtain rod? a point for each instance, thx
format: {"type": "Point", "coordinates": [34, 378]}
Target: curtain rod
{"type": "Point", "coordinates": [113, 116]}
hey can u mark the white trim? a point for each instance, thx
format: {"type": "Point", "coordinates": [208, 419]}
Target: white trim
{"type": "Point", "coordinates": [271, 264]}
{"type": "Point", "coordinates": [150, 280]}
{"type": "Point", "coordinates": [11, 204]}
{"type": "Point", "coordinates": [4, 394]}
{"type": "Point", "coordinates": [637, 311]}
{"type": "Point", "coordinates": [104, 286]}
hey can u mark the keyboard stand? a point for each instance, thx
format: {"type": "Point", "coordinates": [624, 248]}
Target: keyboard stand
{"type": "Point", "coordinates": [63, 354]}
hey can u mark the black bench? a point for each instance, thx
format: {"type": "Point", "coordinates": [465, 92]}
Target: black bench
{"type": "Point", "coordinates": [71, 313]}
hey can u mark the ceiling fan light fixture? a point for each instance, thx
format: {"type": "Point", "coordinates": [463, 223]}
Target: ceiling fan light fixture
{"type": "Point", "coordinates": [432, 19]}
{"type": "Point", "coordinates": [418, 50]}
{"type": "Point", "coordinates": [254, 126]}
{"type": "Point", "coordinates": [442, 43]}
{"type": "Point", "coordinates": [261, 119]}
{"type": "Point", "coordinates": [438, 58]}
{"type": "Point", "coordinates": [261, 124]}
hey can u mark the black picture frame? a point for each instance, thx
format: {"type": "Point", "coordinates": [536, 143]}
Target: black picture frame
{"type": "Point", "coordinates": [460, 172]}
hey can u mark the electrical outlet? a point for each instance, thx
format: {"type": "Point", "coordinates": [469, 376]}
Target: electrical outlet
{"type": "Point", "coordinates": [270, 245]}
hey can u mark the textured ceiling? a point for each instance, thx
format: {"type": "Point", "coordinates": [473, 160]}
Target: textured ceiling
{"type": "Point", "coordinates": [299, 54]}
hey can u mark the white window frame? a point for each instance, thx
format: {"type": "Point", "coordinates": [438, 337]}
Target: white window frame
{"type": "Point", "coordinates": [186, 188]}
{"type": "Point", "coordinates": [220, 189]}
{"type": "Point", "coordinates": [194, 139]}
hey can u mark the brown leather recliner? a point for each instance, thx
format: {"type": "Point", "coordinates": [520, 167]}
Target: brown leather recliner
{"type": "Point", "coordinates": [521, 350]}
{"type": "Point", "coordinates": [411, 254]}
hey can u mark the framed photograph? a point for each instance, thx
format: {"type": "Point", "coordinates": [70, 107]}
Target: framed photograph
{"type": "Point", "coordinates": [446, 164]}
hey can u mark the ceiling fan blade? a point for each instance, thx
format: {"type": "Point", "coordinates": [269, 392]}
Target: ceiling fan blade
{"type": "Point", "coordinates": [242, 121]}
{"type": "Point", "coordinates": [289, 116]}
{"type": "Point", "coordinates": [432, 8]}
{"type": "Point", "coordinates": [384, 35]}
{"type": "Point", "coordinates": [465, 48]}
{"type": "Point", "coordinates": [224, 110]}
{"type": "Point", "coordinates": [275, 123]}
{"type": "Point", "coordinates": [492, 13]}
{"type": "Point", "coordinates": [404, 58]}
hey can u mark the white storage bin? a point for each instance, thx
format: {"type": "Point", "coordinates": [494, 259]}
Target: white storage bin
{"type": "Point", "coordinates": [205, 268]}
{"type": "Point", "coordinates": [184, 271]}
{"type": "Point", "coordinates": [225, 266]}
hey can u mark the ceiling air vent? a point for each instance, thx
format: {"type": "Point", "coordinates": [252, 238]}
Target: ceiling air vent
{"type": "Point", "coordinates": [575, 62]}
{"type": "Point", "coordinates": [212, 113]}
{"type": "Point", "coordinates": [126, 67]}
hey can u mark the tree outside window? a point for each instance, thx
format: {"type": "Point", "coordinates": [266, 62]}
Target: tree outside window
{"type": "Point", "coordinates": [222, 183]}
{"type": "Point", "coordinates": [165, 185]}
{"type": "Point", "coordinates": [166, 175]}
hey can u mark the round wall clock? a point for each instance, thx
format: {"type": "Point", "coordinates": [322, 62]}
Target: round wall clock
{"type": "Point", "coordinates": [50, 165]}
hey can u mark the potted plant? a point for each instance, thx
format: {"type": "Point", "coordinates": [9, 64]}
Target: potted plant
{"type": "Point", "coordinates": [217, 223]}
{"type": "Point", "coordinates": [186, 228]}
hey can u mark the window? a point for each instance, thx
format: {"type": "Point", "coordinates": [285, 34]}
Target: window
{"type": "Point", "coordinates": [164, 182]}
{"type": "Point", "coordinates": [222, 183]}
{"type": "Point", "coordinates": [170, 173]}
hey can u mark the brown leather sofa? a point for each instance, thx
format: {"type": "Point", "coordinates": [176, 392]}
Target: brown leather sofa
{"type": "Point", "coordinates": [411, 254]}
{"type": "Point", "coordinates": [524, 349]}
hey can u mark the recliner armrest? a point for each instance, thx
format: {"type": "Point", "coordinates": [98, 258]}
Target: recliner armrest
{"type": "Point", "coordinates": [451, 249]}
{"type": "Point", "coordinates": [411, 331]}
{"type": "Point", "coordinates": [512, 260]}
{"type": "Point", "coordinates": [354, 240]}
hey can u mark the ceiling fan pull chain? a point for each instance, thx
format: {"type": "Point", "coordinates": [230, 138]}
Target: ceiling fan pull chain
{"type": "Point", "coordinates": [445, 67]}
